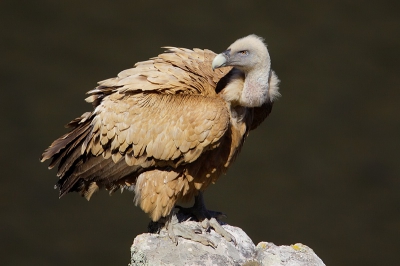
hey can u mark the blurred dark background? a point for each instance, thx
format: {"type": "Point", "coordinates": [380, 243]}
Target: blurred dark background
{"type": "Point", "coordinates": [322, 170]}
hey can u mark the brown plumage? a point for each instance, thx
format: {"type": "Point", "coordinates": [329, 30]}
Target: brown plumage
{"type": "Point", "coordinates": [169, 127]}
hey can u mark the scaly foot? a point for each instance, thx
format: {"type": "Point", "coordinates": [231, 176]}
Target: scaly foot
{"type": "Point", "coordinates": [207, 219]}
{"type": "Point", "coordinates": [175, 228]}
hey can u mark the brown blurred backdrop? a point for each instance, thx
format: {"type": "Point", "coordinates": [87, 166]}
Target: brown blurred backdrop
{"type": "Point", "coordinates": [322, 170]}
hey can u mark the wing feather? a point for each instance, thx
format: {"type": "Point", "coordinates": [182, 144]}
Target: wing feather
{"type": "Point", "coordinates": [200, 122]}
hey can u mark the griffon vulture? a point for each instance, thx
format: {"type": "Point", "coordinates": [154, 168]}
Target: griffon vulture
{"type": "Point", "coordinates": [168, 128]}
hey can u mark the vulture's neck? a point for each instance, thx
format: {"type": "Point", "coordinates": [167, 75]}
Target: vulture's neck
{"type": "Point", "coordinates": [256, 86]}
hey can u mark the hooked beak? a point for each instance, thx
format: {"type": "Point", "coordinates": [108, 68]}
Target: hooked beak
{"type": "Point", "coordinates": [221, 60]}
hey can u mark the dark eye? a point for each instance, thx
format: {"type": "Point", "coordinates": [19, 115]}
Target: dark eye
{"type": "Point", "coordinates": [243, 52]}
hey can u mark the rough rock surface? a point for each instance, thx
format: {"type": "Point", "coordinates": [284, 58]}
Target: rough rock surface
{"type": "Point", "coordinates": [158, 249]}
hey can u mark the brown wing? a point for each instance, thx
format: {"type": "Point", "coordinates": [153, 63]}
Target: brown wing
{"type": "Point", "coordinates": [164, 112]}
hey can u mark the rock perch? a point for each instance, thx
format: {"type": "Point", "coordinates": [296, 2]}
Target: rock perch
{"type": "Point", "coordinates": [158, 249]}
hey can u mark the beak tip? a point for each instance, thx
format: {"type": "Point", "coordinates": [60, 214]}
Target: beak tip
{"type": "Point", "coordinates": [219, 61]}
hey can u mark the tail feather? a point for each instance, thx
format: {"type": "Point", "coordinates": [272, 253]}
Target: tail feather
{"type": "Point", "coordinates": [96, 169]}
{"type": "Point", "coordinates": [66, 150]}
{"type": "Point", "coordinates": [80, 171]}
{"type": "Point", "coordinates": [73, 151]}
{"type": "Point", "coordinates": [63, 145]}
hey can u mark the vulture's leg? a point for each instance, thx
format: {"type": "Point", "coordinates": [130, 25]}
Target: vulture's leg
{"type": "Point", "coordinates": [199, 210]}
{"type": "Point", "coordinates": [208, 219]}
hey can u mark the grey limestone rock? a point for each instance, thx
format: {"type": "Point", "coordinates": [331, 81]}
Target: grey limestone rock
{"type": "Point", "coordinates": [293, 255]}
{"type": "Point", "coordinates": [158, 249]}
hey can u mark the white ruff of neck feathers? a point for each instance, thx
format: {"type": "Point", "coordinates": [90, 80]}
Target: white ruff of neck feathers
{"type": "Point", "coordinates": [256, 87]}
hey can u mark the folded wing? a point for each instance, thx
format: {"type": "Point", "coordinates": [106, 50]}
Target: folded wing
{"type": "Point", "coordinates": [162, 113]}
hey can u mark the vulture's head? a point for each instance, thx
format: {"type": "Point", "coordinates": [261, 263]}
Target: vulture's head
{"type": "Point", "coordinates": [246, 54]}
{"type": "Point", "coordinates": [250, 55]}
